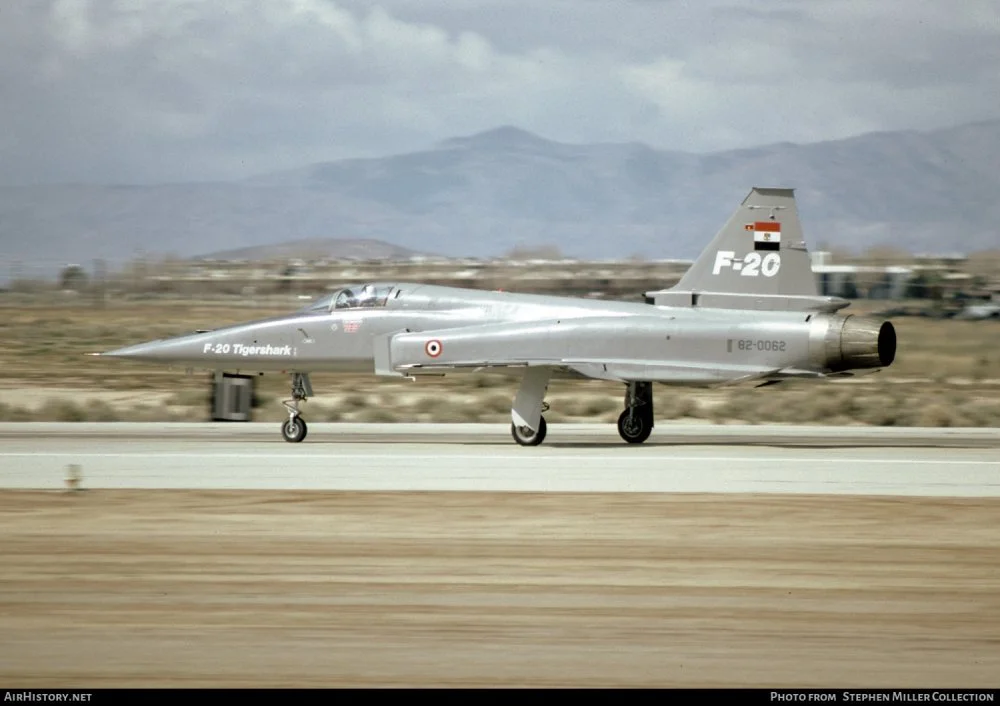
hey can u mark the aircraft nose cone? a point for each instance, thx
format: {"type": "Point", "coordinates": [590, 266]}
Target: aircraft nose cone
{"type": "Point", "coordinates": [154, 350]}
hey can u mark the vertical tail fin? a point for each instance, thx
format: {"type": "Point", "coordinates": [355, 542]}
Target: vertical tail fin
{"type": "Point", "coordinates": [760, 251]}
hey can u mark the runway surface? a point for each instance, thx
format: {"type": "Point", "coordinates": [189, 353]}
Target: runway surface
{"type": "Point", "coordinates": [574, 458]}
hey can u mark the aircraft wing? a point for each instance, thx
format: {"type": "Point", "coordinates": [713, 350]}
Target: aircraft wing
{"type": "Point", "coordinates": [604, 348]}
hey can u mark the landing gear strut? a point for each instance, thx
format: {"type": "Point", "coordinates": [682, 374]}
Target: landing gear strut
{"type": "Point", "coordinates": [294, 429]}
{"type": "Point", "coordinates": [636, 423]}
{"type": "Point", "coordinates": [527, 423]}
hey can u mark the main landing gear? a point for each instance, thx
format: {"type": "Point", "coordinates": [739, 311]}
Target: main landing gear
{"type": "Point", "coordinates": [636, 423]}
{"type": "Point", "coordinates": [528, 426]}
{"type": "Point", "coordinates": [527, 423]}
{"type": "Point", "coordinates": [294, 429]}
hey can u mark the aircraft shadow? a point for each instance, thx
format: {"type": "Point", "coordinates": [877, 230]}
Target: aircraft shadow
{"type": "Point", "coordinates": [767, 444]}
{"type": "Point", "coordinates": [666, 443]}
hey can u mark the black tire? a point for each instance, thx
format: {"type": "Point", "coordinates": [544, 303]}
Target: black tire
{"type": "Point", "coordinates": [636, 429]}
{"type": "Point", "coordinates": [532, 440]}
{"type": "Point", "coordinates": [294, 430]}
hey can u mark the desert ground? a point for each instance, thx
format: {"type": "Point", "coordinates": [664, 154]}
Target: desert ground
{"type": "Point", "coordinates": [115, 588]}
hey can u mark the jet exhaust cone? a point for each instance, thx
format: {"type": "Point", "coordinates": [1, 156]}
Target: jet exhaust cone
{"type": "Point", "coordinates": [857, 342]}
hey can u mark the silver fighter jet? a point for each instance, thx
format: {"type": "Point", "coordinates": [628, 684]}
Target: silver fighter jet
{"type": "Point", "coordinates": [748, 309]}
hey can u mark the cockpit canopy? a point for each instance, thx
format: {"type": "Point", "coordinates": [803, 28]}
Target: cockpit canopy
{"type": "Point", "coordinates": [360, 296]}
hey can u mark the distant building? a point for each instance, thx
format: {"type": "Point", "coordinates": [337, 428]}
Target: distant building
{"type": "Point", "coordinates": [862, 282]}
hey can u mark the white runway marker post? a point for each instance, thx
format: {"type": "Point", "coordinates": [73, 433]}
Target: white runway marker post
{"type": "Point", "coordinates": [74, 476]}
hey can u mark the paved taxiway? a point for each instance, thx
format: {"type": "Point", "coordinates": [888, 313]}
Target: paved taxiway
{"type": "Point", "coordinates": [483, 457]}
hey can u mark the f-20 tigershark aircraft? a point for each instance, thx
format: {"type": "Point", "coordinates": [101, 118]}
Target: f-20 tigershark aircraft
{"type": "Point", "coordinates": [748, 309]}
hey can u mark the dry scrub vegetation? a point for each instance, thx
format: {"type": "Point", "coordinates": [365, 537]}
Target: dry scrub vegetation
{"type": "Point", "coordinates": [947, 373]}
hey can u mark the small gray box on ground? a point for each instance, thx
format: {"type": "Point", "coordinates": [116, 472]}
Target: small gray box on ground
{"type": "Point", "coordinates": [232, 398]}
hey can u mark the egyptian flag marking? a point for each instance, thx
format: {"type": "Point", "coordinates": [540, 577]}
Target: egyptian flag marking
{"type": "Point", "coordinates": [766, 235]}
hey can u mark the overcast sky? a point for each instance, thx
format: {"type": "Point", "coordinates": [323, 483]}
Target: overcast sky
{"type": "Point", "coordinates": [165, 90]}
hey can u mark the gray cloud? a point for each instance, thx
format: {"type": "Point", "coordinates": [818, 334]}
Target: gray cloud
{"type": "Point", "coordinates": [156, 90]}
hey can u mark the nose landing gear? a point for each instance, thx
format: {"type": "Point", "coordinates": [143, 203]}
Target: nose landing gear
{"type": "Point", "coordinates": [294, 429]}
